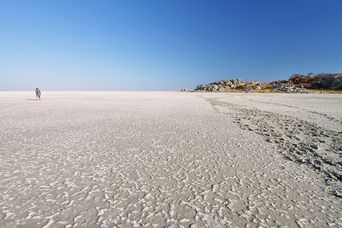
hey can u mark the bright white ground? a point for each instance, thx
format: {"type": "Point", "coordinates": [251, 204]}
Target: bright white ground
{"type": "Point", "coordinates": [98, 159]}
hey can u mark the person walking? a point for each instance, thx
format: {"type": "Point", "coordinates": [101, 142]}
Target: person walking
{"type": "Point", "coordinates": [38, 94]}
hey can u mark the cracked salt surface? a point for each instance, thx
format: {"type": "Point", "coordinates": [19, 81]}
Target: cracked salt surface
{"type": "Point", "coordinates": [166, 159]}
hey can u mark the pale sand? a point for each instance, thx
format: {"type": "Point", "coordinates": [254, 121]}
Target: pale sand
{"type": "Point", "coordinates": [168, 159]}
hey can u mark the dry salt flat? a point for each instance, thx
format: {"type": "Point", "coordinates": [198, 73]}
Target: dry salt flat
{"type": "Point", "coordinates": [169, 159]}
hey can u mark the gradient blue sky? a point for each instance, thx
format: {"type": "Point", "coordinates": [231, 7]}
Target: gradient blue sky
{"type": "Point", "coordinates": [164, 44]}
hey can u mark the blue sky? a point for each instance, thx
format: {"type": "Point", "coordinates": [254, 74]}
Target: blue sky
{"type": "Point", "coordinates": [164, 44]}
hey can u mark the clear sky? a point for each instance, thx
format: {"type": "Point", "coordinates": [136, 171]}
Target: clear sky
{"type": "Point", "coordinates": [164, 44]}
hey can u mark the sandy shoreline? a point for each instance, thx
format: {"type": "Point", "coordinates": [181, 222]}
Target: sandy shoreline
{"type": "Point", "coordinates": [169, 159]}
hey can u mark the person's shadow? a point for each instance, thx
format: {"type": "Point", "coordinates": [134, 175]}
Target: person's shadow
{"type": "Point", "coordinates": [31, 99]}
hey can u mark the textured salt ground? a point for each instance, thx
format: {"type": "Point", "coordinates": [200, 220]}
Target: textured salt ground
{"type": "Point", "coordinates": [162, 159]}
{"type": "Point", "coordinates": [299, 140]}
{"type": "Point", "coordinates": [322, 109]}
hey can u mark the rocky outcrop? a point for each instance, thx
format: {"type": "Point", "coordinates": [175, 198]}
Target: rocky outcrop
{"type": "Point", "coordinates": [332, 81]}
{"type": "Point", "coordinates": [318, 81]}
{"type": "Point", "coordinates": [285, 86]}
{"type": "Point", "coordinates": [229, 85]}
{"type": "Point", "coordinates": [254, 86]}
{"type": "Point", "coordinates": [297, 83]}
